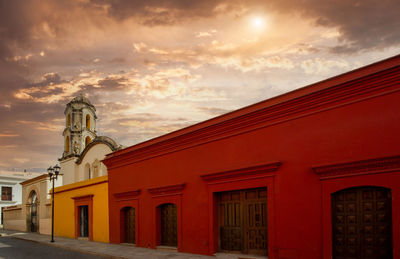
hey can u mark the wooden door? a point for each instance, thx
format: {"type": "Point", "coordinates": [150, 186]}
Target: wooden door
{"type": "Point", "coordinates": [362, 223]}
{"type": "Point", "coordinates": [129, 221]}
{"type": "Point", "coordinates": [169, 225]}
{"type": "Point", "coordinates": [242, 221]}
{"type": "Point", "coordinates": [84, 221]}
{"type": "Point", "coordinates": [255, 221]}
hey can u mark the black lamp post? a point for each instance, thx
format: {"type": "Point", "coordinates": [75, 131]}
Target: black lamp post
{"type": "Point", "coordinates": [53, 174]}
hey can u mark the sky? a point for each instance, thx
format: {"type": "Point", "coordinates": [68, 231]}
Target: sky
{"type": "Point", "coordinates": [152, 67]}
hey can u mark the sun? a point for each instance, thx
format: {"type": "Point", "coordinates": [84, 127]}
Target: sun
{"type": "Point", "coordinates": [258, 22]}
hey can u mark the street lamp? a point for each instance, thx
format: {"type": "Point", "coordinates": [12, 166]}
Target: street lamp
{"type": "Point", "coordinates": [53, 174]}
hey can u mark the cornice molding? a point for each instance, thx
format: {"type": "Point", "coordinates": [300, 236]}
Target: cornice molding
{"type": "Point", "coordinates": [256, 116]}
{"type": "Point", "coordinates": [39, 178]}
{"type": "Point", "coordinates": [241, 174]}
{"type": "Point", "coordinates": [83, 198]}
{"type": "Point", "coordinates": [369, 166]}
{"type": "Point", "coordinates": [167, 190]}
{"type": "Point", "coordinates": [127, 195]}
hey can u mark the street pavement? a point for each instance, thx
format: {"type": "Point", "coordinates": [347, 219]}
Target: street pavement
{"type": "Point", "coordinates": [12, 248]}
{"type": "Point", "coordinates": [95, 249]}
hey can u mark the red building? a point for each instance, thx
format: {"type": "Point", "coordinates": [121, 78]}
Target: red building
{"type": "Point", "coordinates": [314, 173]}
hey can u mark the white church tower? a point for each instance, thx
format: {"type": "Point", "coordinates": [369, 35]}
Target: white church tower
{"type": "Point", "coordinates": [83, 149]}
{"type": "Point", "coordinates": [80, 126]}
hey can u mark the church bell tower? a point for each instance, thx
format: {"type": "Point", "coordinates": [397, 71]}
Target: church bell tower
{"type": "Point", "coordinates": [80, 126]}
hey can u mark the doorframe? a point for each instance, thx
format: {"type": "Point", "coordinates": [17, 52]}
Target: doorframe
{"type": "Point", "coordinates": [377, 172]}
{"type": "Point", "coordinates": [128, 199]}
{"type": "Point", "coordinates": [259, 176]}
{"type": "Point", "coordinates": [86, 200]}
{"type": "Point", "coordinates": [167, 194]}
{"type": "Point", "coordinates": [28, 221]}
{"type": "Point", "coordinates": [122, 224]}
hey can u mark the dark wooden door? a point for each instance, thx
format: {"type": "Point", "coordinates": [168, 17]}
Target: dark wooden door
{"type": "Point", "coordinates": [168, 225]}
{"type": "Point", "coordinates": [84, 221]}
{"type": "Point", "coordinates": [129, 220]}
{"type": "Point", "coordinates": [242, 221]}
{"type": "Point", "coordinates": [362, 223]}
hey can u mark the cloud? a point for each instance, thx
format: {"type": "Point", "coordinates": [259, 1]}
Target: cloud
{"type": "Point", "coordinates": [320, 65]}
{"type": "Point", "coordinates": [240, 56]}
{"type": "Point", "coordinates": [202, 34]}
{"type": "Point", "coordinates": [153, 12]}
{"type": "Point", "coordinates": [361, 25]}
{"type": "Point", "coordinates": [213, 110]}
{"type": "Point", "coordinates": [50, 126]}
{"type": "Point", "coordinates": [8, 135]}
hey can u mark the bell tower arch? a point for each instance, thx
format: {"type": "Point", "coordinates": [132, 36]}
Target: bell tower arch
{"type": "Point", "coordinates": [80, 126]}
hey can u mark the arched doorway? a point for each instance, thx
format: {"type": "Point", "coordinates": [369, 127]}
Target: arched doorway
{"type": "Point", "coordinates": [168, 225]}
{"type": "Point", "coordinates": [33, 213]}
{"type": "Point", "coordinates": [128, 225]}
{"type": "Point", "coordinates": [362, 223]}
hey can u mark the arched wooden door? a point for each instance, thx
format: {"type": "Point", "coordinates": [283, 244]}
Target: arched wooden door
{"type": "Point", "coordinates": [33, 215]}
{"type": "Point", "coordinates": [129, 232]}
{"type": "Point", "coordinates": [168, 225]}
{"type": "Point", "coordinates": [362, 223]}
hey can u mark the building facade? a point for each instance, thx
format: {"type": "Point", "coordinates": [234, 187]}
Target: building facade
{"type": "Point", "coordinates": [81, 204]}
{"type": "Point", "coordinates": [33, 214]}
{"type": "Point", "coordinates": [314, 173]}
{"type": "Point", "coordinates": [11, 191]}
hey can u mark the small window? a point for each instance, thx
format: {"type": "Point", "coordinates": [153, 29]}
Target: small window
{"type": "Point", "coordinates": [67, 144]}
{"type": "Point", "coordinates": [69, 120]}
{"type": "Point", "coordinates": [87, 141]}
{"type": "Point", "coordinates": [6, 193]}
{"type": "Point", "coordinates": [88, 174]}
{"type": "Point", "coordinates": [88, 121]}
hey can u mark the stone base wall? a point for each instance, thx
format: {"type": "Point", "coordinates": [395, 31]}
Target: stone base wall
{"type": "Point", "coordinates": [19, 225]}
{"type": "Point", "coordinates": [45, 226]}
{"type": "Point", "coordinates": [13, 218]}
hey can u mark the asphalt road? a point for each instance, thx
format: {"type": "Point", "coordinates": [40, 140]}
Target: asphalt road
{"type": "Point", "coordinates": [11, 248]}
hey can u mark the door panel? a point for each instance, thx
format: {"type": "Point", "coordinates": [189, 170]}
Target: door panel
{"type": "Point", "coordinates": [84, 221]}
{"type": "Point", "coordinates": [362, 223]}
{"type": "Point", "coordinates": [256, 222]}
{"type": "Point", "coordinates": [230, 221]}
{"type": "Point", "coordinates": [169, 225]}
{"type": "Point", "coordinates": [129, 218]}
{"type": "Point", "coordinates": [242, 221]}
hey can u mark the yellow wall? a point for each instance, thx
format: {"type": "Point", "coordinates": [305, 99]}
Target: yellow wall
{"type": "Point", "coordinates": [64, 214]}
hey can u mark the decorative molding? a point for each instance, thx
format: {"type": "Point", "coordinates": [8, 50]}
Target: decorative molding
{"type": "Point", "coordinates": [83, 198]}
{"type": "Point", "coordinates": [127, 195]}
{"type": "Point", "coordinates": [98, 140]}
{"type": "Point", "coordinates": [15, 207]}
{"type": "Point", "coordinates": [35, 179]}
{"type": "Point", "coordinates": [369, 166]}
{"type": "Point", "coordinates": [355, 86]}
{"type": "Point", "coordinates": [167, 190]}
{"type": "Point", "coordinates": [242, 173]}
{"type": "Point", "coordinates": [82, 184]}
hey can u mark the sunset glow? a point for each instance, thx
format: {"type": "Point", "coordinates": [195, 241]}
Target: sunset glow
{"type": "Point", "coordinates": [152, 67]}
{"type": "Point", "coordinates": [258, 22]}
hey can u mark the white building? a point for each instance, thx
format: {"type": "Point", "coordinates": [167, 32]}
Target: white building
{"type": "Point", "coordinates": [11, 190]}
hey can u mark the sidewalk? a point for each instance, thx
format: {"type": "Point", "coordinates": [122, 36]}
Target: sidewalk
{"type": "Point", "coordinates": [113, 251]}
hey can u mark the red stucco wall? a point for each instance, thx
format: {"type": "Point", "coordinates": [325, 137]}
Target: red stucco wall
{"type": "Point", "coordinates": [349, 118]}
